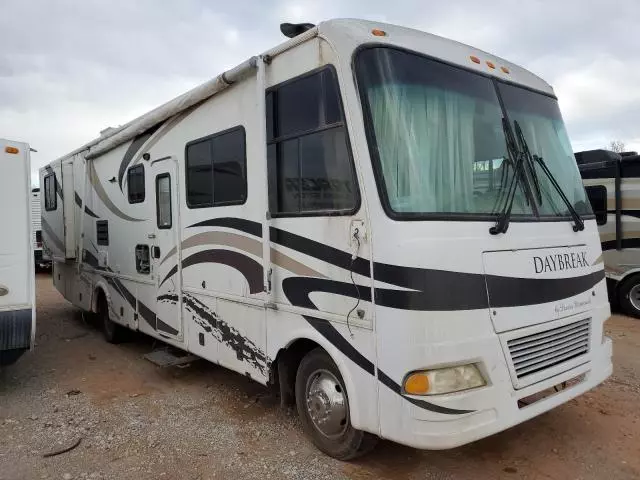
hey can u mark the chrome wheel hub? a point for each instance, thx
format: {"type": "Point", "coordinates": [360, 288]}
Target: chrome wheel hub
{"type": "Point", "coordinates": [634, 296]}
{"type": "Point", "coordinates": [327, 404]}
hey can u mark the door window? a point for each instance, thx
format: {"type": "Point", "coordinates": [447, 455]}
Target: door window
{"type": "Point", "coordinates": [163, 201]}
{"type": "Point", "coordinates": [50, 199]}
{"type": "Point", "coordinates": [135, 182]}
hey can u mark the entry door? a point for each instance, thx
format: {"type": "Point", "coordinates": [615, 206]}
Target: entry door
{"type": "Point", "coordinates": [165, 249]}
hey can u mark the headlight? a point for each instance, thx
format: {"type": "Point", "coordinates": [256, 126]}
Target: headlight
{"type": "Point", "coordinates": [443, 380]}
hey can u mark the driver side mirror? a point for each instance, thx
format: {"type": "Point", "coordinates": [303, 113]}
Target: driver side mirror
{"type": "Point", "coordinates": [598, 197]}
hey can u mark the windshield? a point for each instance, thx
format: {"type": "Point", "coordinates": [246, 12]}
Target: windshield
{"type": "Point", "coordinates": [437, 139]}
{"type": "Point", "coordinates": [541, 122]}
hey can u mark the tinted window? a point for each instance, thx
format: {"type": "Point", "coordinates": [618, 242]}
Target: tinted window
{"type": "Point", "coordinates": [299, 106]}
{"type": "Point", "coordinates": [310, 168]}
{"type": "Point", "coordinates": [216, 170]}
{"type": "Point", "coordinates": [326, 180]}
{"type": "Point", "coordinates": [50, 199]}
{"type": "Point", "coordinates": [135, 184]}
{"type": "Point", "coordinates": [199, 174]}
{"type": "Point", "coordinates": [229, 184]}
{"type": "Point", "coordinates": [303, 105]}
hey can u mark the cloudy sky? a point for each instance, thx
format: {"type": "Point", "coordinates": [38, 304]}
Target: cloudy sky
{"type": "Point", "coordinates": [68, 69]}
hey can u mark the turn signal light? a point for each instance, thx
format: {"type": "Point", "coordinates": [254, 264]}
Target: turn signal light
{"type": "Point", "coordinates": [443, 380]}
{"type": "Point", "coordinates": [11, 150]}
{"type": "Point", "coordinates": [379, 33]}
{"type": "Point", "coordinates": [417, 384]}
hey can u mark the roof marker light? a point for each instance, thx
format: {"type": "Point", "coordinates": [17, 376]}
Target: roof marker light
{"type": "Point", "coordinates": [490, 64]}
{"type": "Point", "coordinates": [505, 70]}
{"type": "Point", "coordinates": [11, 150]}
{"type": "Point", "coordinates": [474, 59]}
{"type": "Point", "coordinates": [379, 33]}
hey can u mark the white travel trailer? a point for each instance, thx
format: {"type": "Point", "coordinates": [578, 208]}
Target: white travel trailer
{"type": "Point", "coordinates": [354, 217]}
{"type": "Point", "coordinates": [41, 258]}
{"type": "Point", "coordinates": [17, 283]}
{"type": "Point", "coordinates": [613, 187]}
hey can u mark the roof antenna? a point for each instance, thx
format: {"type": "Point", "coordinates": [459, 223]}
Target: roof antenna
{"type": "Point", "coordinates": [294, 29]}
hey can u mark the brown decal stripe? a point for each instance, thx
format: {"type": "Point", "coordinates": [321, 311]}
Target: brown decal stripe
{"type": "Point", "coordinates": [210, 322]}
{"type": "Point", "coordinates": [134, 146]}
{"type": "Point", "coordinates": [433, 290]}
{"type": "Point", "coordinates": [86, 209]}
{"type": "Point", "coordinates": [300, 298]}
{"type": "Point", "coordinates": [102, 194]}
{"type": "Point", "coordinates": [245, 244]}
{"type": "Point", "coordinates": [52, 236]}
{"type": "Point", "coordinates": [145, 312]}
{"type": "Point", "coordinates": [251, 269]}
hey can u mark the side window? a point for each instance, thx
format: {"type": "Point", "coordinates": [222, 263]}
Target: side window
{"type": "Point", "coordinates": [216, 173]}
{"type": "Point", "coordinates": [135, 184]}
{"type": "Point", "coordinates": [163, 201]}
{"type": "Point", "coordinates": [598, 197]}
{"type": "Point", "coordinates": [50, 199]}
{"type": "Point", "coordinates": [310, 165]}
{"type": "Point", "coordinates": [102, 232]}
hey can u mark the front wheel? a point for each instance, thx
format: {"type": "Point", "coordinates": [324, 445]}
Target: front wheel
{"type": "Point", "coordinates": [113, 333]}
{"type": "Point", "coordinates": [323, 407]}
{"type": "Point", "coordinates": [629, 296]}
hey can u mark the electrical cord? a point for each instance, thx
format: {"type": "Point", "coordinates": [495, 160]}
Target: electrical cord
{"type": "Point", "coordinates": [353, 259]}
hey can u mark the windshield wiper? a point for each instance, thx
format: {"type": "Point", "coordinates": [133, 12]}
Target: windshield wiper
{"type": "Point", "coordinates": [515, 159]}
{"type": "Point", "coordinates": [524, 148]}
{"type": "Point", "coordinates": [578, 223]}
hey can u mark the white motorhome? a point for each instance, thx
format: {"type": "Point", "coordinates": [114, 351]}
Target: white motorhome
{"type": "Point", "coordinates": [388, 225]}
{"type": "Point", "coordinates": [41, 258]}
{"type": "Point", "coordinates": [611, 181]}
{"type": "Point", "coordinates": [17, 283]}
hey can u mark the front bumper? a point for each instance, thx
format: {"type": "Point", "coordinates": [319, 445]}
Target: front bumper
{"type": "Point", "coordinates": [495, 407]}
{"type": "Point", "coordinates": [462, 429]}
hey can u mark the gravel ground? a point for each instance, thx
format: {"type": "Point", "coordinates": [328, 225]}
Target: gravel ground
{"type": "Point", "coordinates": [137, 421]}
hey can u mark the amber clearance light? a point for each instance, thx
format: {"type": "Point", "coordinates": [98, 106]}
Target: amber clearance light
{"type": "Point", "coordinates": [11, 150]}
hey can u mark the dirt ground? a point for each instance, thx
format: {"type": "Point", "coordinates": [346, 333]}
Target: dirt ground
{"type": "Point", "coordinates": [138, 421]}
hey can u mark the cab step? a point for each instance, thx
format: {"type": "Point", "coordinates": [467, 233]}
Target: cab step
{"type": "Point", "coordinates": [170, 357]}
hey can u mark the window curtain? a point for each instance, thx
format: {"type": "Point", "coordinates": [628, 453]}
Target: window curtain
{"type": "Point", "coordinates": [425, 144]}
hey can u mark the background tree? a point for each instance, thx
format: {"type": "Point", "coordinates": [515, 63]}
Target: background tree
{"type": "Point", "coordinates": [616, 146]}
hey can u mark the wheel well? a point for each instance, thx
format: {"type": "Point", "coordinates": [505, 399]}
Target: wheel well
{"type": "Point", "coordinates": [284, 368]}
{"type": "Point", "coordinates": [99, 296]}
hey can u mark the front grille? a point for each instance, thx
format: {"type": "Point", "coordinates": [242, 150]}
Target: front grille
{"type": "Point", "coordinates": [549, 348]}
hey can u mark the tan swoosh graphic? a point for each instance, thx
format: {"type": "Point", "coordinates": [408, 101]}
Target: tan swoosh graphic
{"type": "Point", "coordinates": [93, 178]}
{"type": "Point", "coordinates": [597, 260]}
{"type": "Point", "coordinates": [162, 131]}
{"type": "Point", "coordinates": [248, 245]}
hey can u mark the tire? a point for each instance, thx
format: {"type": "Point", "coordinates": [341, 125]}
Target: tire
{"type": "Point", "coordinates": [113, 333]}
{"type": "Point", "coordinates": [629, 296]}
{"type": "Point", "coordinates": [332, 434]}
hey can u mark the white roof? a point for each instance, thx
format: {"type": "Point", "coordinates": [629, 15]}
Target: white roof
{"type": "Point", "coordinates": [346, 35]}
